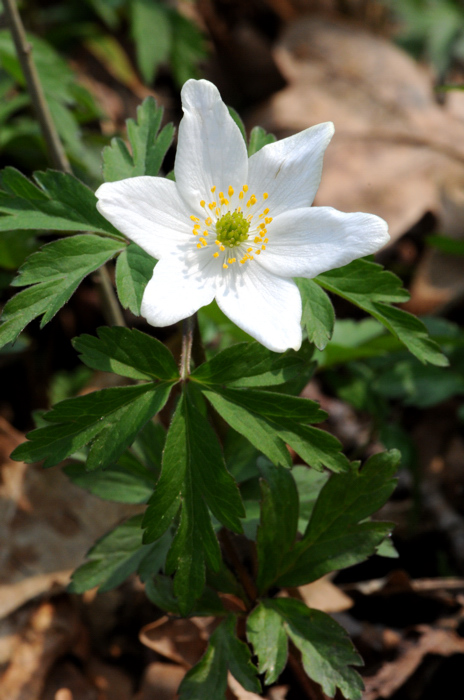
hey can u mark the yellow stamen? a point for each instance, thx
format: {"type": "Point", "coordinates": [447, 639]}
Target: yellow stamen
{"type": "Point", "coordinates": [265, 195]}
{"type": "Point", "coordinates": [262, 226]}
{"type": "Point", "coordinates": [205, 233]}
{"type": "Point", "coordinates": [202, 203]}
{"type": "Point", "coordinates": [263, 247]}
{"type": "Point", "coordinates": [231, 260]}
{"type": "Point", "coordinates": [211, 205]}
{"type": "Point", "coordinates": [258, 240]}
{"type": "Point", "coordinates": [268, 219]}
{"type": "Point", "coordinates": [218, 242]}
{"type": "Point", "coordinates": [266, 211]}
{"type": "Point", "coordinates": [258, 252]}
{"type": "Point", "coordinates": [198, 245]}
{"type": "Point", "coordinates": [240, 195]}
{"type": "Point", "coordinates": [213, 189]}
{"type": "Point", "coordinates": [245, 188]}
{"type": "Point", "coordinates": [249, 250]}
{"type": "Point", "coordinates": [208, 221]}
{"type": "Point", "coordinates": [225, 266]}
{"type": "Point", "coordinates": [221, 248]}
{"type": "Point", "coordinates": [266, 240]}
{"type": "Point", "coordinates": [230, 191]}
{"type": "Point", "coordinates": [221, 195]}
{"type": "Point", "coordinates": [215, 255]}
{"type": "Point", "coordinates": [217, 212]}
{"type": "Point", "coordinates": [195, 219]}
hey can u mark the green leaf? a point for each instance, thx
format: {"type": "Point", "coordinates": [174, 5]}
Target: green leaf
{"type": "Point", "coordinates": [110, 419]}
{"type": "Point", "coordinates": [270, 420]}
{"type": "Point", "coordinates": [337, 535]}
{"type": "Point", "coordinates": [193, 475]}
{"type": "Point", "coordinates": [208, 678]}
{"type": "Point", "coordinates": [151, 32]}
{"type": "Point", "coordinates": [258, 139]}
{"type": "Point", "coordinates": [318, 314]}
{"type": "Point", "coordinates": [134, 270]}
{"type": "Point", "coordinates": [129, 353]}
{"type": "Point", "coordinates": [251, 364]}
{"type": "Point", "coordinates": [265, 631]}
{"type": "Point", "coordinates": [148, 146]}
{"type": "Point", "coordinates": [15, 246]}
{"type": "Point", "coordinates": [116, 556]}
{"type": "Point", "coordinates": [367, 285]}
{"type": "Point", "coordinates": [60, 203]}
{"type": "Point", "coordinates": [128, 481]}
{"type": "Point", "coordinates": [55, 271]}
{"type": "Point", "coordinates": [188, 48]}
{"type": "Point", "coordinates": [445, 244]}
{"type": "Point", "coordinates": [278, 523]}
{"type": "Point", "coordinates": [326, 650]}
{"type": "Point", "coordinates": [238, 120]}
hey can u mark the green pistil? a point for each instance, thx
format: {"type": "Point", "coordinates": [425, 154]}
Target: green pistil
{"type": "Point", "coordinates": [232, 229]}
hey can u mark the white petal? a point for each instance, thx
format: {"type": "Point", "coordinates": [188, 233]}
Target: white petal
{"type": "Point", "coordinates": [149, 211]}
{"type": "Point", "coordinates": [178, 288]}
{"type": "Point", "coordinates": [265, 306]}
{"type": "Point", "coordinates": [307, 242]}
{"type": "Point", "coordinates": [290, 170]}
{"type": "Point", "coordinates": [210, 149]}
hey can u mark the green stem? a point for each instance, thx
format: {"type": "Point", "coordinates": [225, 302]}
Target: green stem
{"type": "Point", "coordinates": [188, 329]}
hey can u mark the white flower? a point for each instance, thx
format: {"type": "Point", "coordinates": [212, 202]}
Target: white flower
{"type": "Point", "coordinates": [236, 229]}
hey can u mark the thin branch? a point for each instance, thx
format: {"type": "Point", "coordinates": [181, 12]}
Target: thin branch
{"type": "Point", "coordinates": [111, 309]}
{"type": "Point", "coordinates": [188, 328]}
{"type": "Point", "coordinates": [24, 50]}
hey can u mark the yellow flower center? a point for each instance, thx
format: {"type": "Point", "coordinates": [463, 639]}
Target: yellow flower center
{"type": "Point", "coordinates": [243, 229]}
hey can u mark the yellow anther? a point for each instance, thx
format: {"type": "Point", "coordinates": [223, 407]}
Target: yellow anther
{"type": "Point", "coordinates": [221, 195]}
{"type": "Point", "coordinates": [218, 242]}
{"type": "Point", "coordinates": [249, 250]}
{"type": "Point", "coordinates": [258, 252]}
{"type": "Point", "coordinates": [198, 245]}
{"type": "Point", "coordinates": [245, 188]}
{"type": "Point", "coordinates": [266, 240]}
{"type": "Point", "coordinates": [262, 226]}
{"type": "Point", "coordinates": [221, 248]}
{"type": "Point", "coordinates": [239, 209]}
{"type": "Point", "coordinates": [217, 212]}
{"type": "Point", "coordinates": [225, 266]}
{"type": "Point", "coordinates": [240, 195]}
{"type": "Point", "coordinates": [215, 255]}
{"type": "Point", "coordinates": [202, 203]}
{"type": "Point", "coordinates": [266, 211]}
{"type": "Point", "coordinates": [231, 260]}
{"type": "Point", "coordinates": [205, 233]}
{"type": "Point", "coordinates": [195, 219]}
{"type": "Point", "coordinates": [258, 240]}
{"type": "Point", "coordinates": [263, 247]}
{"type": "Point", "coordinates": [249, 217]}
{"type": "Point", "coordinates": [211, 205]}
{"type": "Point", "coordinates": [225, 201]}
{"type": "Point", "coordinates": [268, 219]}
{"type": "Point", "coordinates": [195, 232]}
{"type": "Point", "coordinates": [230, 191]}
{"type": "Point", "coordinates": [213, 189]}
{"type": "Point", "coordinates": [208, 221]}
{"type": "Point", "coordinates": [263, 231]}
{"type": "Point", "coordinates": [265, 195]}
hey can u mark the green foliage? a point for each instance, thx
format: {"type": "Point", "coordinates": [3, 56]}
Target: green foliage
{"type": "Point", "coordinates": [266, 633]}
{"type": "Point", "coordinates": [208, 678]}
{"type": "Point", "coordinates": [451, 246]}
{"type": "Point", "coordinates": [259, 138]}
{"type": "Point", "coordinates": [60, 203]}
{"type": "Point", "coordinates": [193, 477]}
{"type": "Point", "coordinates": [373, 289]}
{"type": "Point", "coordinates": [134, 269]}
{"type": "Point", "coordinates": [149, 145]}
{"type": "Point", "coordinates": [109, 419]}
{"type": "Point", "coordinates": [326, 651]}
{"type": "Point", "coordinates": [152, 34]}
{"type": "Point", "coordinates": [318, 315]}
{"type": "Point", "coordinates": [338, 534]}
{"type": "Point", "coordinates": [54, 272]}
{"type": "Point", "coordinates": [117, 555]}
{"type": "Point", "coordinates": [128, 353]}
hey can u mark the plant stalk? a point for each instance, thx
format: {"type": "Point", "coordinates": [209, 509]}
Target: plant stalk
{"type": "Point", "coordinates": [188, 330]}
{"type": "Point", "coordinates": [111, 309]}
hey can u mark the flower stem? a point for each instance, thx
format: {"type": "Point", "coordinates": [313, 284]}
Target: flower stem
{"type": "Point", "coordinates": [24, 50]}
{"type": "Point", "coordinates": [188, 328]}
{"type": "Point", "coordinates": [56, 153]}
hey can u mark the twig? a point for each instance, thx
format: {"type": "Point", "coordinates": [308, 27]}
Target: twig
{"type": "Point", "coordinates": [55, 150]}
{"type": "Point", "coordinates": [239, 569]}
{"type": "Point", "coordinates": [188, 327]}
{"type": "Point", "coordinates": [24, 50]}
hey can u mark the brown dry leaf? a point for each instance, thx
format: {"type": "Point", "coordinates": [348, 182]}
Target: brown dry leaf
{"type": "Point", "coordinates": [49, 633]}
{"type": "Point", "coordinates": [181, 641]}
{"type": "Point", "coordinates": [392, 675]}
{"type": "Point", "coordinates": [46, 525]}
{"type": "Point", "coordinates": [394, 148]}
{"type": "Point", "coordinates": [161, 681]}
{"type": "Point", "coordinates": [324, 595]}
